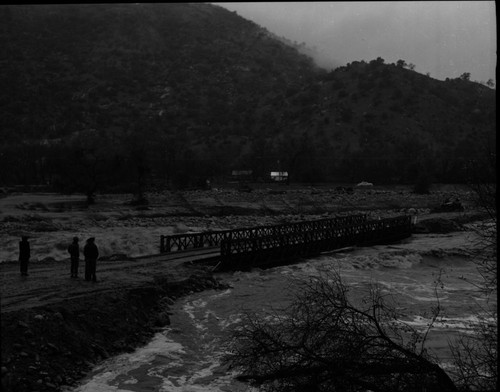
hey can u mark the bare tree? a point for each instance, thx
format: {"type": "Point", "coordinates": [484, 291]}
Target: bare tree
{"type": "Point", "coordinates": [324, 342]}
{"type": "Point", "coordinates": [475, 356]}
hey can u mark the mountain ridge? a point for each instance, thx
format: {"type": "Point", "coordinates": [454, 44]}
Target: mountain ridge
{"type": "Point", "coordinates": [180, 92]}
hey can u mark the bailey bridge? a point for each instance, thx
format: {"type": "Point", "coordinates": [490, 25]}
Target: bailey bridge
{"type": "Point", "coordinates": [261, 246]}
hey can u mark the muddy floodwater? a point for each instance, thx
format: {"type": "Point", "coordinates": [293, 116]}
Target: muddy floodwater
{"type": "Point", "coordinates": [186, 356]}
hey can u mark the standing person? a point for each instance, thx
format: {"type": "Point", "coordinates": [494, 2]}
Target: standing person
{"type": "Point", "coordinates": [74, 252]}
{"type": "Point", "coordinates": [91, 254]}
{"type": "Point", "coordinates": [24, 255]}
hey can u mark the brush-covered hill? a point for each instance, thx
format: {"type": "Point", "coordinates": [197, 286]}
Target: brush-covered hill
{"type": "Point", "coordinates": [71, 67]}
{"type": "Point", "coordinates": [108, 95]}
{"type": "Point", "coordinates": [386, 122]}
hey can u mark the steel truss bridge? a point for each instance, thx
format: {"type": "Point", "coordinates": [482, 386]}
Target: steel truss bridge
{"type": "Point", "coordinates": [260, 246]}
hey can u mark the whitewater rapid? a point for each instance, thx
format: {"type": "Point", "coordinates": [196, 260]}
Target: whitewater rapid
{"type": "Point", "coordinates": [187, 355]}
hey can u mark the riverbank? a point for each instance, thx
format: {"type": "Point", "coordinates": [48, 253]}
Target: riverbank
{"type": "Point", "coordinates": [189, 354]}
{"type": "Point", "coordinates": [46, 348]}
{"type": "Point", "coordinates": [54, 329]}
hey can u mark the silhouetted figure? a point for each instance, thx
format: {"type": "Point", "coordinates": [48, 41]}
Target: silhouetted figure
{"type": "Point", "coordinates": [74, 252]}
{"type": "Point", "coordinates": [24, 255]}
{"type": "Point", "coordinates": [91, 254]}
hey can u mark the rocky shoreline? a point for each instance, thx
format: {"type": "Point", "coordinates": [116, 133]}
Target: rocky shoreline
{"type": "Point", "coordinates": [52, 347]}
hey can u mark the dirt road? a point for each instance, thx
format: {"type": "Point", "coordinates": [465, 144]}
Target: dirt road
{"type": "Point", "coordinates": [55, 328]}
{"type": "Point", "coordinates": [50, 282]}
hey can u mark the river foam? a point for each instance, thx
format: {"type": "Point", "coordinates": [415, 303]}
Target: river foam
{"type": "Point", "coordinates": [188, 356]}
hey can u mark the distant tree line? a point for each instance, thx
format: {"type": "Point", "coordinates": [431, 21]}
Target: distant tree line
{"type": "Point", "coordinates": [131, 161]}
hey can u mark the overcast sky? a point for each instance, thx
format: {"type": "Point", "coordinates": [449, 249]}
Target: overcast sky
{"type": "Point", "coordinates": [444, 38]}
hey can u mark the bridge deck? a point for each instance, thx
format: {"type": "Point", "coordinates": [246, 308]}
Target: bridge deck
{"type": "Point", "coordinates": [265, 245]}
{"type": "Point", "coordinates": [185, 241]}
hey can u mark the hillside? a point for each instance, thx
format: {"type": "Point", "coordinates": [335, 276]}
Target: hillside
{"type": "Point", "coordinates": [112, 97]}
{"type": "Point", "coordinates": [388, 123]}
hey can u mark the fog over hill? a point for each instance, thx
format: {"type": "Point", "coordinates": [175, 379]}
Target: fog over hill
{"type": "Point", "coordinates": [444, 38]}
{"type": "Point", "coordinates": [116, 97]}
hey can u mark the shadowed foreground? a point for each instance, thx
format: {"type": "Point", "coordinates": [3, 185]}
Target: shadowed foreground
{"type": "Point", "coordinates": [54, 329]}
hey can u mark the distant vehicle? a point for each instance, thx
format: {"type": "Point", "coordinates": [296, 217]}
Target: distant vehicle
{"type": "Point", "coordinates": [364, 183]}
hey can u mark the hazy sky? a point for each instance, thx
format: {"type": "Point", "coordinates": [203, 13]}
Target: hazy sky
{"type": "Point", "coordinates": [444, 38]}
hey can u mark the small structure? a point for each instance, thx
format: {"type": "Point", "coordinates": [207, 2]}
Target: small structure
{"type": "Point", "coordinates": [279, 176]}
{"type": "Point", "coordinates": [242, 175]}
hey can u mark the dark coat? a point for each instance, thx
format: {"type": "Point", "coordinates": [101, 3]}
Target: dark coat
{"type": "Point", "coordinates": [74, 250]}
{"type": "Point", "coordinates": [90, 251]}
{"type": "Point", "coordinates": [24, 250]}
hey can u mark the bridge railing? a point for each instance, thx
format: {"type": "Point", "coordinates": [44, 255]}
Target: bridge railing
{"type": "Point", "coordinates": [178, 242]}
{"type": "Point", "coordinates": [248, 252]}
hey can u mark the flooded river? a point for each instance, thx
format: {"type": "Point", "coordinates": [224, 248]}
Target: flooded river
{"type": "Point", "coordinates": [186, 356]}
